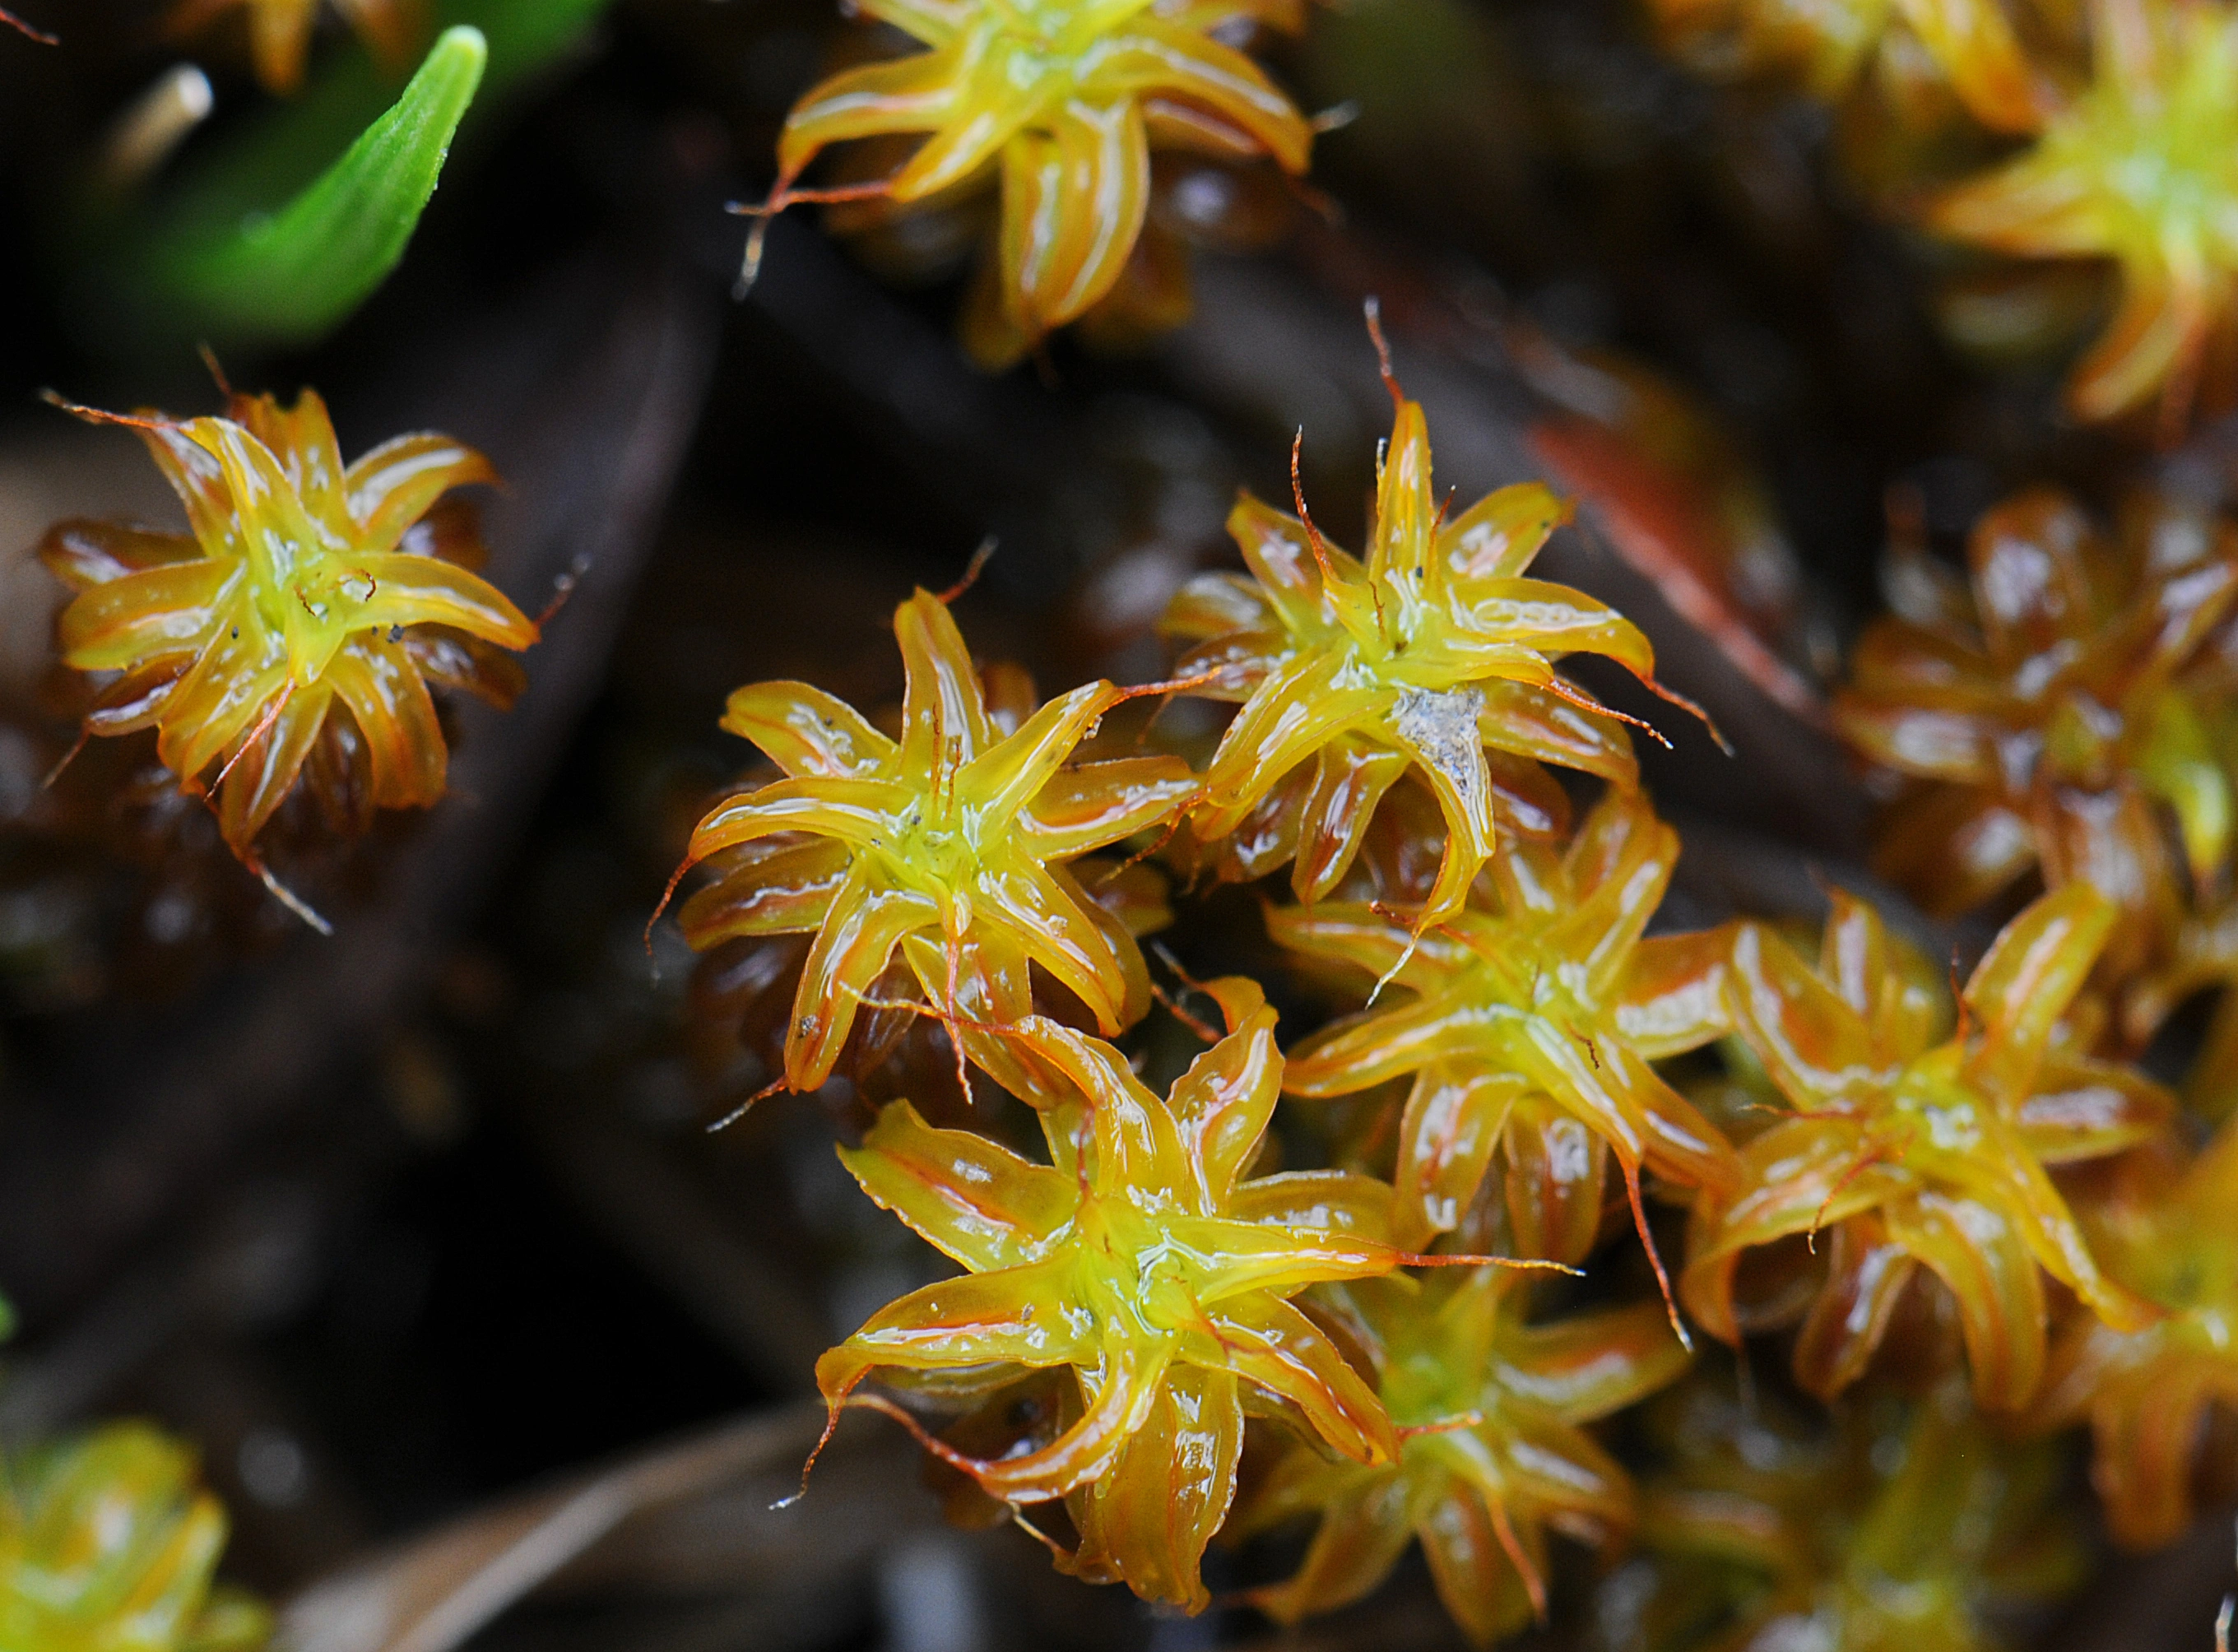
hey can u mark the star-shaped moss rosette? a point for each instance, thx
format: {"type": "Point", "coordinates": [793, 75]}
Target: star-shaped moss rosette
{"type": "Point", "coordinates": [2140, 170]}
{"type": "Point", "coordinates": [1906, 1527]}
{"type": "Point", "coordinates": [2046, 716]}
{"type": "Point", "coordinates": [949, 844]}
{"type": "Point", "coordinates": [1531, 1028]}
{"type": "Point", "coordinates": [107, 1543]}
{"type": "Point", "coordinates": [1062, 101]}
{"type": "Point", "coordinates": [1142, 1259]}
{"type": "Point", "coordinates": [1433, 649]}
{"type": "Point", "coordinates": [2152, 1396]}
{"type": "Point", "coordinates": [297, 628]}
{"type": "Point", "coordinates": [280, 31]}
{"type": "Point", "coordinates": [1827, 49]}
{"type": "Point", "coordinates": [1490, 1410]}
{"type": "Point", "coordinates": [1909, 1149]}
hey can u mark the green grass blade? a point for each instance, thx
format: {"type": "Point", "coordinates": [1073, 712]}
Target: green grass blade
{"type": "Point", "coordinates": [295, 274]}
{"type": "Point", "coordinates": [284, 147]}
